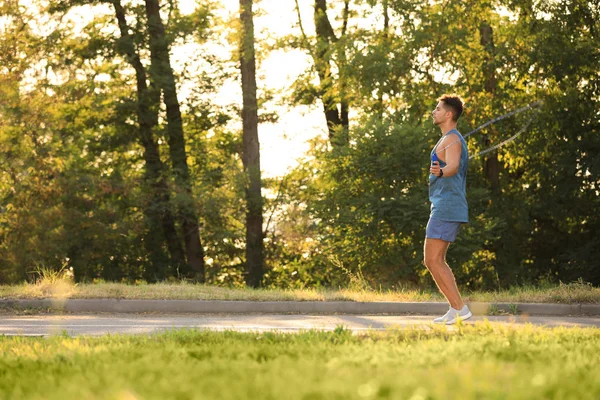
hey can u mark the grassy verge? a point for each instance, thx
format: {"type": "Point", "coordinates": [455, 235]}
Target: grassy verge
{"type": "Point", "coordinates": [475, 362]}
{"type": "Point", "coordinates": [564, 293]}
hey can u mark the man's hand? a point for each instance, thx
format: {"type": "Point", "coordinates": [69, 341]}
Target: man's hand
{"type": "Point", "coordinates": [435, 168]}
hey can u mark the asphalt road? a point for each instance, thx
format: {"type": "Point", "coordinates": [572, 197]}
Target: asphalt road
{"type": "Point", "coordinates": [100, 324]}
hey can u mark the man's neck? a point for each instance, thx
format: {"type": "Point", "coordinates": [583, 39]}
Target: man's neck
{"type": "Point", "coordinates": [447, 127]}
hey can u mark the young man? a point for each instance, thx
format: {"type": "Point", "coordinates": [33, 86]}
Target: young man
{"type": "Point", "coordinates": [447, 193]}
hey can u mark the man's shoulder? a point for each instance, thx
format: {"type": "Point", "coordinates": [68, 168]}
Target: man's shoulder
{"type": "Point", "coordinates": [451, 136]}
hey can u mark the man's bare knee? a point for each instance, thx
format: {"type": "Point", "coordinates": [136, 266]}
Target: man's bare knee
{"type": "Point", "coordinates": [427, 264]}
{"type": "Point", "coordinates": [428, 261]}
{"type": "Point", "coordinates": [431, 261]}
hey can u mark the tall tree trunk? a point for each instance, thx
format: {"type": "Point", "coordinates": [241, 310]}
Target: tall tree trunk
{"type": "Point", "coordinates": [158, 213]}
{"type": "Point", "coordinates": [344, 106]}
{"type": "Point", "coordinates": [386, 18]}
{"type": "Point", "coordinates": [385, 35]}
{"type": "Point", "coordinates": [251, 150]}
{"type": "Point", "coordinates": [492, 165]}
{"type": "Point", "coordinates": [335, 117]}
{"type": "Point", "coordinates": [162, 74]}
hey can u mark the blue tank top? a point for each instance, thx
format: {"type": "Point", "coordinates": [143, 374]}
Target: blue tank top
{"type": "Point", "coordinates": [448, 195]}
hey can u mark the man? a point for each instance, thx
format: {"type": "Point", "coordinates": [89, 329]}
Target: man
{"type": "Point", "coordinates": [447, 193]}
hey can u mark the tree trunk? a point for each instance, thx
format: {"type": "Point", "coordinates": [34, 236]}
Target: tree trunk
{"type": "Point", "coordinates": [158, 213]}
{"type": "Point", "coordinates": [386, 28]}
{"type": "Point", "coordinates": [162, 74]}
{"type": "Point", "coordinates": [251, 150]}
{"type": "Point", "coordinates": [386, 18]}
{"type": "Point", "coordinates": [492, 165]}
{"type": "Point", "coordinates": [335, 117]}
{"type": "Point", "coordinates": [344, 106]}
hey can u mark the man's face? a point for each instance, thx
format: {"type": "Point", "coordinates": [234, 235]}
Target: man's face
{"type": "Point", "coordinates": [440, 114]}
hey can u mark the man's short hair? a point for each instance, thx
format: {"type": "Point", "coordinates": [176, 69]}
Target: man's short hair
{"type": "Point", "coordinates": [454, 103]}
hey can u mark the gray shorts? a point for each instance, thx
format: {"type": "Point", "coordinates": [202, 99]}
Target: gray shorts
{"type": "Point", "coordinates": [444, 230]}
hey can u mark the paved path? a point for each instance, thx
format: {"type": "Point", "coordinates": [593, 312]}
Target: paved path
{"type": "Point", "coordinates": [94, 324]}
{"type": "Point", "coordinates": [84, 306]}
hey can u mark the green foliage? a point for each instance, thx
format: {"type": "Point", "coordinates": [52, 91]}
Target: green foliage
{"type": "Point", "coordinates": [368, 200]}
{"type": "Point", "coordinates": [372, 209]}
{"type": "Point", "coordinates": [73, 173]}
{"type": "Point", "coordinates": [74, 182]}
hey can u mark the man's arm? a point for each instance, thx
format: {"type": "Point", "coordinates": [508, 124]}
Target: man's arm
{"type": "Point", "coordinates": [451, 155]}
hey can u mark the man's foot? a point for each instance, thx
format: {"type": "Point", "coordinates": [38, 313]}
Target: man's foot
{"type": "Point", "coordinates": [453, 315]}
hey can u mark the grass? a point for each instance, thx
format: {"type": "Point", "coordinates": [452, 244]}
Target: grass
{"type": "Point", "coordinates": [474, 362]}
{"type": "Point", "coordinates": [572, 293]}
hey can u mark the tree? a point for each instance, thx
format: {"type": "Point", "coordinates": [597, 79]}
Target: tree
{"type": "Point", "coordinates": [66, 196]}
{"type": "Point", "coordinates": [486, 33]}
{"type": "Point", "coordinates": [329, 51]}
{"type": "Point", "coordinates": [161, 73]}
{"type": "Point", "coordinates": [251, 149]}
{"type": "Point", "coordinates": [158, 209]}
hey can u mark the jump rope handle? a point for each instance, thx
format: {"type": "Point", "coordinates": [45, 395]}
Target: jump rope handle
{"type": "Point", "coordinates": [434, 158]}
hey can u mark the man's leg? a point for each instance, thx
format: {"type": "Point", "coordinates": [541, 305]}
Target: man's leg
{"type": "Point", "coordinates": [435, 261]}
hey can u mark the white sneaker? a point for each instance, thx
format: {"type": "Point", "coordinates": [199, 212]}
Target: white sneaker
{"type": "Point", "coordinates": [453, 315]}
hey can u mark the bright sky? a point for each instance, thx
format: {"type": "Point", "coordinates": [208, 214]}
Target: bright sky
{"type": "Point", "coordinates": [281, 143]}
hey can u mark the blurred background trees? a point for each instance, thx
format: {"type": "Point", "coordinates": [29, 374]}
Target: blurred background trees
{"type": "Point", "coordinates": [119, 160]}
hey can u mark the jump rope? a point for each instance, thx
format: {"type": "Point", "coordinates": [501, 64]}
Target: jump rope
{"type": "Point", "coordinates": [536, 104]}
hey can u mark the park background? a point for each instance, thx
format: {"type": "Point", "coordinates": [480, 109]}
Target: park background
{"type": "Point", "coordinates": [99, 174]}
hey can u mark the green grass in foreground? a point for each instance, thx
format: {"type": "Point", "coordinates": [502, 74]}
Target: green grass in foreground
{"type": "Point", "coordinates": [483, 361]}
{"type": "Point", "coordinates": [577, 292]}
